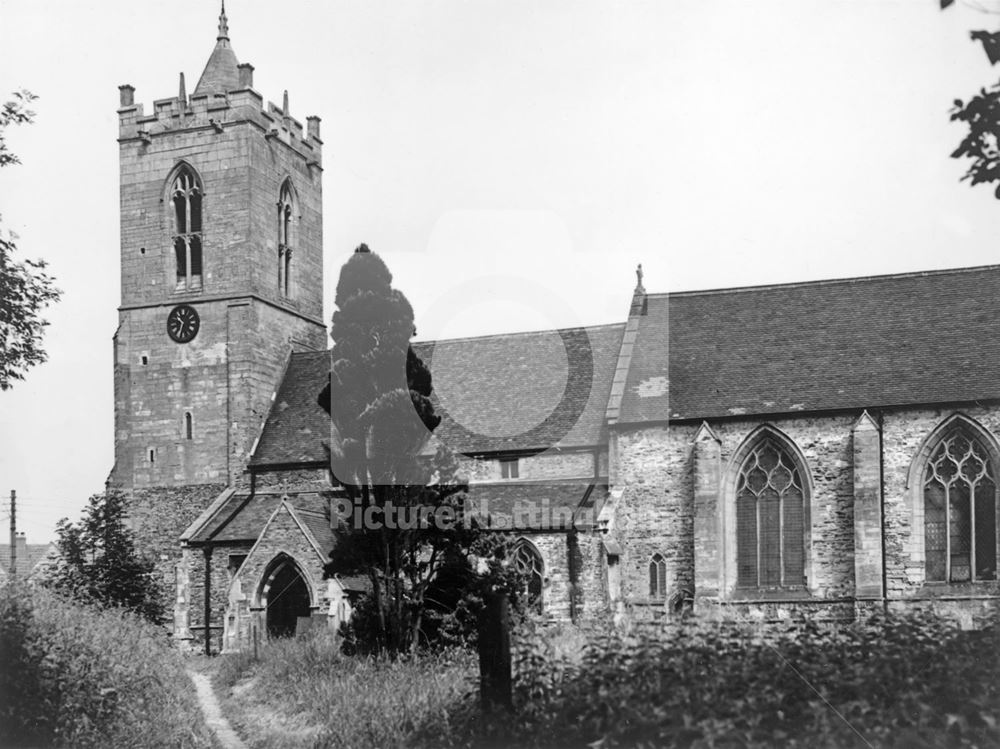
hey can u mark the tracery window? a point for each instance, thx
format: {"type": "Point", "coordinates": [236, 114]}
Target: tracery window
{"type": "Point", "coordinates": [185, 196]}
{"type": "Point", "coordinates": [658, 577]}
{"type": "Point", "coordinates": [960, 522]}
{"type": "Point", "coordinates": [769, 519]}
{"type": "Point", "coordinates": [528, 563]}
{"type": "Point", "coordinates": [286, 214]}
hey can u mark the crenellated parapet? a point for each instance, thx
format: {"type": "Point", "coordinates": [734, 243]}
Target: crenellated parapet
{"type": "Point", "coordinates": [218, 111]}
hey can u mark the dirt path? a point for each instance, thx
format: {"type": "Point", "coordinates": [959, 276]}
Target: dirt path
{"type": "Point", "coordinates": [213, 715]}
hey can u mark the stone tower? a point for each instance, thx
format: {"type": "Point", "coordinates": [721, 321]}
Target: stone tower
{"type": "Point", "coordinates": [221, 274]}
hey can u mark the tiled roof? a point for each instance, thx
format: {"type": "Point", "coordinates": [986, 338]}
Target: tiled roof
{"type": "Point", "coordinates": [856, 343]}
{"type": "Point", "coordinates": [534, 505]}
{"type": "Point", "coordinates": [297, 425]}
{"type": "Point", "coordinates": [242, 516]}
{"type": "Point", "coordinates": [28, 556]}
{"type": "Point", "coordinates": [518, 391]}
{"type": "Point", "coordinates": [522, 391]}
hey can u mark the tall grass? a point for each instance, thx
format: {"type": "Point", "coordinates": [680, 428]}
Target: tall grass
{"type": "Point", "coordinates": [74, 675]}
{"type": "Point", "coordinates": [305, 693]}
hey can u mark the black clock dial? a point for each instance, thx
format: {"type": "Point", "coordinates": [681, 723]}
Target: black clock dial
{"type": "Point", "coordinates": [182, 323]}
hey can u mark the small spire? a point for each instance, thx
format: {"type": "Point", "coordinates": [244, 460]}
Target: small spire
{"type": "Point", "coordinates": [223, 23]}
{"type": "Point", "coordinates": [284, 104]}
{"type": "Point", "coordinates": [182, 96]}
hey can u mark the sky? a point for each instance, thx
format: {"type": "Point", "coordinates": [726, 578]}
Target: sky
{"type": "Point", "coordinates": [511, 161]}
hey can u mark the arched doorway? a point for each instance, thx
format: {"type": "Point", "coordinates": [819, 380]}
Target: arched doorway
{"type": "Point", "coordinates": [286, 597]}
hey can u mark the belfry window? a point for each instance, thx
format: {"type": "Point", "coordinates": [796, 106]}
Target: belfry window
{"type": "Point", "coordinates": [528, 563]}
{"type": "Point", "coordinates": [769, 519]}
{"type": "Point", "coordinates": [960, 520]}
{"type": "Point", "coordinates": [185, 197]}
{"type": "Point", "coordinates": [286, 239]}
{"type": "Point", "coordinates": [658, 577]}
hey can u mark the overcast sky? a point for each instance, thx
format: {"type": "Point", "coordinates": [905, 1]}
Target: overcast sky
{"type": "Point", "coordinates": [512, 161]}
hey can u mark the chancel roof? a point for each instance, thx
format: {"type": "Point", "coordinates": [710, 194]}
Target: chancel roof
{"type": "Point", "coordinates": [847, 344]}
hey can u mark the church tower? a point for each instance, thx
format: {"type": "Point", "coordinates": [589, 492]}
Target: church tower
{"type": "Point", "coordinates": [221, 272]}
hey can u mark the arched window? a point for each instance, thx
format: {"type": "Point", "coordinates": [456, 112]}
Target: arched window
{"type": "Point", "coordinates": [770, 497]}
{"type": "Point", "coordinates": [658, 577]}
{"type": "Point", "coordinates": [528, 563]}
{"type": "Point", "coordinates": [188, 426]}
{"type": "Point", "coordinates": [286, 237]}
{"type": "Point", "coordinates": [185, 197]}
{"type": "Point", "coordinates": [960, 517]}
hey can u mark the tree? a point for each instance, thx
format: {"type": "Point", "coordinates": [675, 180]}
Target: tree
{"type": "Point", "coordinates": [98, 562]}
{"type": "Point", "coordinates": [25, 288]}
{"type": "Point", "coordinates": [981, 114]}
{"type": "Point", "coordinates": [405, 523]}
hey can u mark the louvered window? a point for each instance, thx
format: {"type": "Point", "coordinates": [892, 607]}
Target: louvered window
{"type": "Point", "coordinates": [185, 196]}
{"type": "Point", "coordinates": [769, 520]}
{"type": "Point", "coordinates": [960, 498]}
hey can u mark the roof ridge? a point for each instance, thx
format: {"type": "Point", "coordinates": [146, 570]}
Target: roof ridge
{"type": "Point", "coordinates": [542, 331]}
{"type": "Point", "coordinates": [826, 281]}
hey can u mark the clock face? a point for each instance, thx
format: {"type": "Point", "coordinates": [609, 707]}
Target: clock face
{"type": "Point", "coordinates": [182, 323]}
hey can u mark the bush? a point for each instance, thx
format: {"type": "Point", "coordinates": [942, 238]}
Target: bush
{"type": "Point", "coordinates": [888, 682]}
{"type": "Point", "coordinates": [73, 675]}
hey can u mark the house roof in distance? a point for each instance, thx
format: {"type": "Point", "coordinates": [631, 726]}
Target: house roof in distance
{"type": "Point", "coordinates": [911, 338]}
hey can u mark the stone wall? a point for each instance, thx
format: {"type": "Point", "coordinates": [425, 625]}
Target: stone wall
{"type": "Point", "coordinates": [545, 466]}
{"type": "Point", "coordinates": [673, 498]}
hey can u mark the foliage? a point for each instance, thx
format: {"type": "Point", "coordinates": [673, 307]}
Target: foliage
{"type": "Point", "coordinates": [382, 415]}
{"type": "Point", "coordinates": [25, 288]}
{"type": "Point", "coordinates": [887, 682]}
{"type": "Point", "coordinates": [98, 562]}
{"type": "Point", "coordinates": [77, 676]}
{"type": "Point", "coordinates": [304, 692]}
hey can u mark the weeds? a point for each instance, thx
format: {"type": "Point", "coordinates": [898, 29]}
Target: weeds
{"type": "Point", "coordinates": [73, 675]}
{"type": "Point", "coordinates": [305, 692]}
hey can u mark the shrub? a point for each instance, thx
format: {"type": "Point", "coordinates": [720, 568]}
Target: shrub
{"type": "Point", "coordinates": [74, 675]}
{"type": "Point", "coordinates": [889, 682]}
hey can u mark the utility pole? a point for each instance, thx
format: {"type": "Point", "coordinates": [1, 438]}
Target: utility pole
{"type": "Point", "coordinates": [13, 533]}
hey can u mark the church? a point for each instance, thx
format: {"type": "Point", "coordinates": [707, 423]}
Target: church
{"type": "Point", "coordinates": [807, 450]}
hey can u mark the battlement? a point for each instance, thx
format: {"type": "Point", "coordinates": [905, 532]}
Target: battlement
{"type": "Point", "coordinates": [218, 111]}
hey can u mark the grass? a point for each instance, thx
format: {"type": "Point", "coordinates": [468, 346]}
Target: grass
{"type": "Point", "coordinates": [305, 693]}
{"type": "Point", "coordinates": [75, 675]}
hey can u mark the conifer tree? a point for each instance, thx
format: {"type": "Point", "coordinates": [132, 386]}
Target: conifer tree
{"type": "Point", "coordinates": [405, 520]}
{"type": "Point", "coordinates": [99, 564]}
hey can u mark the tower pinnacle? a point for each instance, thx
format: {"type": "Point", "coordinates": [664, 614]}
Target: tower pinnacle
{"type": "Point", "coordinates": [223, 23]}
